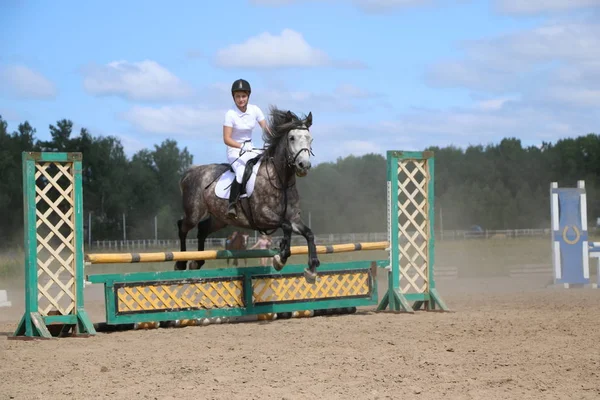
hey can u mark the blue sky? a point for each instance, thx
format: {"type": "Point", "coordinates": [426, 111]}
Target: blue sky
{"type": "Point", "coordinates": [376, 74]}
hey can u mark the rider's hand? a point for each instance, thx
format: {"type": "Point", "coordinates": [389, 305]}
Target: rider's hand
{"type": "Point", "coordinates": [246, 146]}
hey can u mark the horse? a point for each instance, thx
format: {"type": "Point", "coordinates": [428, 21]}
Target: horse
{"type": "Point", "coordinates": [274, 203]}
{"type": "Point", "coordinates": [237, 241]}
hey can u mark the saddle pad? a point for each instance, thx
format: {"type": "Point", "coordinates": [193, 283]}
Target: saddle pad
{"type": "Point", "coordinates": [224, 183]}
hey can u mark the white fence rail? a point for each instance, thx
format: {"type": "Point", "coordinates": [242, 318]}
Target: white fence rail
{"type": "Point", "coordinates": [332, 238]}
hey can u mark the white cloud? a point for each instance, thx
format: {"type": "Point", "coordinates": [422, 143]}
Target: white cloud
{"type": "Point", "coordinates": [304, 101]}
{"type": "Point", "coordinates": [340, 140]}
{"type": "Point", "coordinates": [493, 104]}
{"type": "Point", "coordinates": [542, 6]}
{"type": "Point", "coordinates": [207, 118]}
{"type": "Point", "coordinates": [24, 82]}
{"type": "Point", "coordinates": [537, 84]}
{"type": "Point", "coordinates": [487, 121]}
{"type": "Point", "coordinates": [530, 121]}
{"type": "Point", "coordinates": [145, 80]}
{"type": "Point", "coordinates": [551, 67]}
{"type": "Point", "coordinates": [455, 123]}
{"type": "Point", "coordinates": [345, 98]}
{"type": "Point", "coordinates": [574, 41]}
{"type": "Point", "coordinates": [178, 120]}
{"type": "Point", "coordinates": [511, 61]}
{"type": "Point", "coordinates": [289, 49]}
{"type": "Point", "coordinates": [470, 74]}
{"type": "Point", "coordinates": [577, 97]}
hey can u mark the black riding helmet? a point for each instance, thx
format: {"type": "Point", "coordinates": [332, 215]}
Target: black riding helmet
{"type": "Point", "coordinates": [241, 85]}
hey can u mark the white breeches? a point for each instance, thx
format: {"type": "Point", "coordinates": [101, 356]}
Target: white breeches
{"type": "Point", "coordinates": [238, 163]}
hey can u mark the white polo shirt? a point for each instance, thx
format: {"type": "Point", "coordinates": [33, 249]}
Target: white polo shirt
{"type": "Point", "coordinates": [243, 122]}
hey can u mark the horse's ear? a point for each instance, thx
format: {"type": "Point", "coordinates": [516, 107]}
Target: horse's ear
{"type": "Point", "coordinates": [289, 117]}
{"type": "Point", "coordinates": [308, 120]}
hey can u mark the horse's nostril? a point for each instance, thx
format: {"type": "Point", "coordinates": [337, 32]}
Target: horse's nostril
{"type": "Point", "coordinates": [301, 164]}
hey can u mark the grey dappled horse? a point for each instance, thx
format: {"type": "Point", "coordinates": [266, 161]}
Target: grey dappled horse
{"type": "Point", "coordinates": [274, 203]}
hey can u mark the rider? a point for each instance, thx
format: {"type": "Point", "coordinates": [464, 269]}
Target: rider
{"type": "Point", "coordinates": [240, 120]}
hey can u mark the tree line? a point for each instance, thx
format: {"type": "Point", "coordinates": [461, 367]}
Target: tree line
{"type": "Point", "coordinates": [494, 186]}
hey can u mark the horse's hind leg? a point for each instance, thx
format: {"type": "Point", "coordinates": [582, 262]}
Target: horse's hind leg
{"type": "Point", "coordinates": [280, 259]}
{"type": "Point", "coordinates": [205, 228]}
{"type": "Point", "coordinates": [183, 227]}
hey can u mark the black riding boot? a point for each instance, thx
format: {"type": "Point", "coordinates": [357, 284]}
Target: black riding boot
{"type": "Point", "coordinates": [234, 193]}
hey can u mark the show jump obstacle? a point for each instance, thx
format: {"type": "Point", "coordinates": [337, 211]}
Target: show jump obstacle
{"type": "Point", "coordinates": [55, 261]}
{"type": "Point", "coordinates": [571, 249]}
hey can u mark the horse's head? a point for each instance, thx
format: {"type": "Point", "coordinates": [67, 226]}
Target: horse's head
{"type": "Point", "coordinates": [291, 139]}
{"type": "Point", "coordinates": [299, 146]}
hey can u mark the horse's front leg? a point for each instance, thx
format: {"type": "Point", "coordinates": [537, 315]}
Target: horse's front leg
{"type": "Point", "coordinates": [310, 273]}
{"type": "Point", "coordinates": [280, 259]}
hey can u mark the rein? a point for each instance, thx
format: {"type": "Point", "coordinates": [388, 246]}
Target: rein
{"type": "Point", "coordinates": [291, 162]}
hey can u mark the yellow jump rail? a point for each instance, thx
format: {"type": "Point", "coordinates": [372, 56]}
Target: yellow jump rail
{"type": "Point", "coordinates": [120, 258]}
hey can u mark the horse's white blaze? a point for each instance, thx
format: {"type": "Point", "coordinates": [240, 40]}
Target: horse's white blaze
{"type": "Point", "coordinates": [300, 141]}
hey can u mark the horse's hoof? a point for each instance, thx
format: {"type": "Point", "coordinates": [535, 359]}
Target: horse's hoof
{"type": "Point", "coordinates": [180, 266]}
{"type": "Point", "coordinates": [277, 264]}
{"type": "Point", "coordinates": [311, 277]}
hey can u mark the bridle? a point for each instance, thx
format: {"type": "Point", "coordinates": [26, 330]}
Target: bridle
{"type": "Point", "coordinates": [292, 160]}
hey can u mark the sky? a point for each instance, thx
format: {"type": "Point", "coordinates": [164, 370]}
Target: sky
{"type": "Point", "coordinates": [377, 75]}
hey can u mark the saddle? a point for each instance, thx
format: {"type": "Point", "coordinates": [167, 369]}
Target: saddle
{"type": "Point", "coordinates": [226, 179]}
{"type": "Point", "coordinates": [247, 174]}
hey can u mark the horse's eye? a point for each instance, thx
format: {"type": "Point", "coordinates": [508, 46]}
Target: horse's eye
{"type": "Point", "coordinates": [292, 138]}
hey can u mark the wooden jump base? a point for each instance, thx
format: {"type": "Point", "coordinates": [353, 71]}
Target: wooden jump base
{"type": "Point", "coordinates": [234, 292]}
{"type": "Point", "coordinates": [55, 262]}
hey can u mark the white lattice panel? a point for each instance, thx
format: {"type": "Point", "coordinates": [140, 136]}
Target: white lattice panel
{"type": "Point", "coordinates": [413, 225]}
{"type": "Point", "coordinates": [55, 233]}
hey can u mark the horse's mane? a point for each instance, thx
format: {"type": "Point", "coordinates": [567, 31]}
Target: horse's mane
{"type": "Point", "coordinates": [280, 126]}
